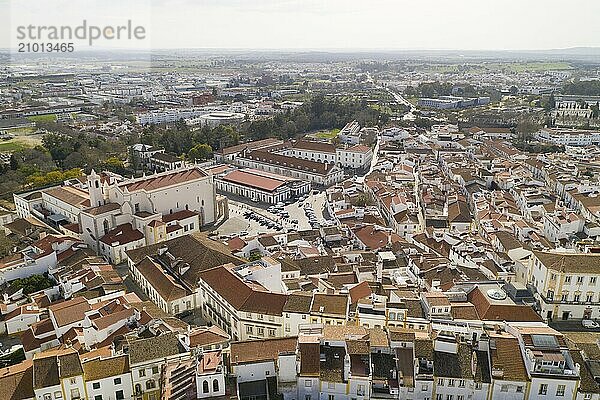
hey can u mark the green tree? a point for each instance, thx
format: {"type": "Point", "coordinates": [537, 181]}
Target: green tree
{"type": "Point", "coordinates": [526, 128]}
{"type": "Point", "coordinates": [200, 152]}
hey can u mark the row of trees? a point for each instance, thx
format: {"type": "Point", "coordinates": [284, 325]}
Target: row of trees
{"type": "Point", "coordinates": [585, 88]}
{"type": "Point", "coordinates": [66, 152]}
{"type": "Point", "coordinates": [321, 112]}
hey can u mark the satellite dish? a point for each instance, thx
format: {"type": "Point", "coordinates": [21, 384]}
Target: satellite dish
{"type": "Point", "coordinates": [496, 294]}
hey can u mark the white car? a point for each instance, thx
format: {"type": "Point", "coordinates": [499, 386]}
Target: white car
{"type": "Point", "coordinates": [589, 324]}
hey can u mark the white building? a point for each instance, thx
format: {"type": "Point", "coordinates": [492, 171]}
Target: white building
{"type": "Point", "coordinates": [569, 137]}
{"type": "Point", "coordinates": [566, 283]}
{"type": "Point", "coordinates": [108, 378]}
{"type": "Point", "coordinates": [261, 186]}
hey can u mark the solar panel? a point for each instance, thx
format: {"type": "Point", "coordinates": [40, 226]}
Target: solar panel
{"type": "Point", "coordinates": [547, 341]}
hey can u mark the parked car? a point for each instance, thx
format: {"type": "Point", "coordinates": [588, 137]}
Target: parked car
{"type": "Point", "coordinates": [589, 324]}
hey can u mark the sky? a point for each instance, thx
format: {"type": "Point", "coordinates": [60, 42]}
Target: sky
{"type": "Point", "coordinates": [324, 24]}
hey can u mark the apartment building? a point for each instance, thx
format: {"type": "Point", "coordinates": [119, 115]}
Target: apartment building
{"type": "Point", "coordinates": [567, 284]}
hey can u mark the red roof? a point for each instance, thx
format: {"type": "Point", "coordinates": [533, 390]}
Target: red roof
{"type": "Point", "coordinates": [247, 179]}
{"type": "Point", "coordinates": [122, 234]}
{"type": "Point", "coordinates": [160, 181]}
{"type": "Point", "coordinates": [178, 216]}
{"type": "Point", "coordinates": [359, 291]}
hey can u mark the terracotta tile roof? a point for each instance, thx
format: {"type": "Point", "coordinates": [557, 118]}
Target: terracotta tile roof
{"type": "Point", "coordinates": [70, 311]}
{"type": "Point", "coordinates": [505, 356]}
{"type": "Point", "coordinates": [244, 178]}
{"type": "Point", "coordinates": [104, 208]}
{"type": "Point", "coordinates": [290, 162]}
{"type": "Point", "coordinates": [315, 146]}
{"type": "Point", "coordinates": [207, 336]}
{"type": "Point", "coordinates": [16, 381]}
{"type": "Point", "coordinates": [69, 195]}
{"type": "Point", "coordinates": [309, 359]}
{"type": "Point", "coordinates": [254, 351]}
{"type": "Point", "coordinates": [179, 215]}
{"type": "Point", "coordinates": [570, 263]}
{"type": "Point", "coordinates": [236, 244]}
{"type": "Point", "coordinates": [50, 366]}
{"type": "Point", "coordinates": [142, 350]}
{"type": "Point", "coordinates": [463, 311]}
{"type": "Point", "coordinates": [330, 304]}
{"type": "Point", "coordinates": [100, 368]}
{"type": "Point", "coordinates": [197, 250]}
{"type": "Point", "coordinates": [298, 302]}
{"type": "Point", "coordinates": [342, 332]}
{"type": "Point", "coordinates": [500, 312]}
{"type": "Point", "coordinates": [164, 180]}
{"type": "Point", "coordinates": [374, 238]}
{"type": "Point", "coordinates": [241, 295]}
{"type": "Point", "coordinates": [359, 291]}
{"type": "Point", "coordinates": [121, 235]}
{"type": "Point", "coordinates": [162, 282]}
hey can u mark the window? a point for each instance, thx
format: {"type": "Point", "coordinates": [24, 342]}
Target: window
{"type": "Point", "coordinates": [519, 389]}
{"type": "Point", "coordinates": [550, 295]}
{"type": "Point", "coordinates": [576, 297]}
{"type": "Point", "coordinates": [331, 397]}
{"type": "Point", "coordinates": [155, 369]}
{"type": "Point", "coordinates": [543, 389]}
{"type": "Point", "coordinates": [451, 382]}
{"type": "Point", "coordinates": [567, 279]}
{"type": "Point", "coordinates": [75, 393]}
{"type": "Point", "coordinates": [424, 387]}
{"type": "Point", "coordinates": [98, 397]}
{"type": "Point", "coordinates": [271, 332]}
{"type": "Point", "coordinates": [360, 390]}
{"type": "Point", "coordinates": [57, 395]}
{"type": "Point", "coordinates": [47, 396]}
{"type": "Point", "coordinates": [564, 296]}
{"type": "Point", "coordinates": [73, 381]}
{"type": "Point", "coordinates": [460, 397]}
{"type": "Point", "coordinates": [330, 385]}
{"type": "Point", "coordinates": [439, 396]}
{"type": "Point", "coordinates": [307, 383]}
{"type": "Point", "coordinates": [96, 385]}
{"type": "Point", "coordinates": [117, 381]}
{"type": "Point", "coordinates": [478, 385]}
{"type": "Point", "coordinates": [267, 373]}
{"type": "Point", "coordinates": [307, 397]}
{"type": "Point", "coordinates": [579, 280]}
{"type": "Point", "coordinates": [461, 383]}
{"type": "Point", "coordinates": [215, 385]}
{"type": "Point", "coordinates": [589, 298]}
{"type": "Point", "coordinates": [440, 381]}
{"type": "Point", "coordinates": [150, 384]}
{"type": "Point", "coordinates": [205, 387]}
{"type": "Point", "coordinates": [504, 388]}
{"type": "Point", "coordinates": [249, 329]}
{"type": "Point", "coordinates": [260, 331]}
{"type": "Point", "coordinates": [560, 390]}
{"type": "Point", "coordinates": [449, 397]}
{"type": "Point", "coordinates": [142, 373]}
{"type": "Point", "coordinates": [592, 280]}
{"type": "Point", "coordinates": [119, 395]}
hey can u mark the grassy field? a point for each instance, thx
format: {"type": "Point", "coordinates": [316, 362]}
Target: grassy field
{"type": "Point", "coordinates": [12, 145]}
{"type": "Point", "coordinates": [23, 139]}
{"type": "Point", "coordinates": [327, 134]}
{"type": "Point", "coordinates": [43, 118]}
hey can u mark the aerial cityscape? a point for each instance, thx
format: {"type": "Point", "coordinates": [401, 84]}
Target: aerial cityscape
{"type": "Point", "coordinates": [311, 222]}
